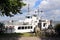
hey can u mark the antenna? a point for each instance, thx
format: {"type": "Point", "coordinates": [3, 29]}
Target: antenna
{"type": "Point", "coordinates": [38, 11]}
{"type": "Point", "coordinates": [28, 9]}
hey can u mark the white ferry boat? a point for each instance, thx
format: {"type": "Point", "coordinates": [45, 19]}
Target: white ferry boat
{"type": "Point", "coordinates": [27, 25]}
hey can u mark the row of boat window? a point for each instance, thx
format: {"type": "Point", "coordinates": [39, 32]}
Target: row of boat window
{"type": "Point", "coordinates": [25, 27]}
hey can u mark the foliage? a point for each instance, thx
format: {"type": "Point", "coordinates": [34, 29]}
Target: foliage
{"type": "Point", "coordinates": [10, 7]}
{"type": "Point", "coordinates": [1, 27]}
{"type": "Point", "coordinates": [57, 28]}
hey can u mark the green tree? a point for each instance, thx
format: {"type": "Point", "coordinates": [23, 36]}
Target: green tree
{"type": "Point", "coordinates": [10, 7]}
{"type": "Point", "coordinates": [57, 28]}
{"type": "Point", "coordinates": [2, 27]}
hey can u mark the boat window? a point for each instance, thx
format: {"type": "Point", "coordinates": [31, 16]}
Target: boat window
{"type": "Point", "coordinates": [22, 27]}
{"type": "Point", "coordinates": [26, 27]}
{"type": "Point", "coordinates": [44, 24]}
{"type": "Point", "coordinates": [42, 20]}
{"type": "Point", "coordinates": [27, 16]}
{"type": "Point", "coordinates": [34, 15]}
{"type": "Point", "coordinates": [31, 27]}
{"type": "Point", "coordinates": [19, 27]}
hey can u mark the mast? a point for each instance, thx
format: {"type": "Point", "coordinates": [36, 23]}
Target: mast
{"type": "Point", "coordinates": [28, 9]}
{"type": "Point", "coordinates": [38, 11]}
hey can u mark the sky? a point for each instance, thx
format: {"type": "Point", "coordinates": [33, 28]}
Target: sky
{"type": "Point", "coordinates": [50, 8]}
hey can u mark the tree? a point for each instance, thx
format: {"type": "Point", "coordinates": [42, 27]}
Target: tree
{"type": "Point", "coordinates": [2, 27]}
{"type": "Point", "coordinates": [57, 28]}
{"type": "Point", "coordinates": [10, 7]}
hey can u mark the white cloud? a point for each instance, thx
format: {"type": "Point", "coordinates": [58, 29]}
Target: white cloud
{"type": "Point", "coordinates": [57, 12]}
{"type": "Point", "coordinates": [50, 4]}
{"type": "Point", "coordinates": [30, 2]}
{"type": "Point", "coordinates": [50, 7]}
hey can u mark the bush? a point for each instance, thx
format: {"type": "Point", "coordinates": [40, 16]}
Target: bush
{"type": "Point", "coordinates": [2, 27]}
{"type": "Point", "coordinates": [57, 28]}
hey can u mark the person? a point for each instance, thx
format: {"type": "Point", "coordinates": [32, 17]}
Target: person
{"type": "Point", "coordinates": [50, 26]}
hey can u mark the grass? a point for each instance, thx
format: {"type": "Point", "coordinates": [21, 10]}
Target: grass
{"type": "Point", "coordinates": [27, 34]}
{"type": "Point", "coordinates": [10, 35]}
{"type": "Point", "coordinates": [16, 35]}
